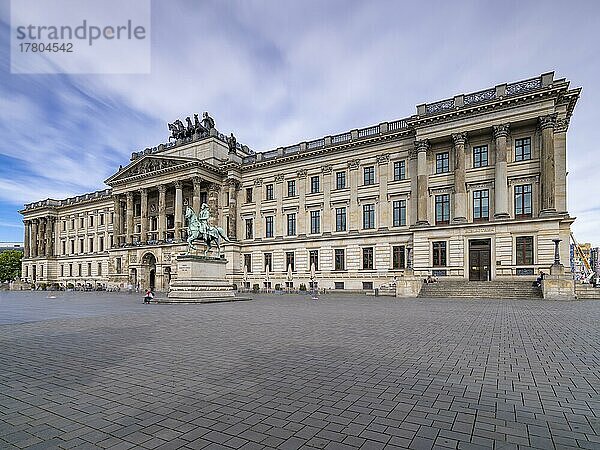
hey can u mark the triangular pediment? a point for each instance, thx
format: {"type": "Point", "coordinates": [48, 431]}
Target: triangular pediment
{"type": "Point", "coordinates": [148, 165]}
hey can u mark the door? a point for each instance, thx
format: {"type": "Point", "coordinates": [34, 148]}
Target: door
{"type": "Point", "coordinates": [152, 279]}
{"type": "Point", "coordinates": [479, 260]}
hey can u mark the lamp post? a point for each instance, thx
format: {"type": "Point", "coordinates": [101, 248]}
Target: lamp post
{"type": "Point", "coordinates": [556, 268]}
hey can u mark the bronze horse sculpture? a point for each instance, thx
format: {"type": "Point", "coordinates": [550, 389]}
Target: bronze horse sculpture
{"type": "Point", "coordinates": [200, 230]}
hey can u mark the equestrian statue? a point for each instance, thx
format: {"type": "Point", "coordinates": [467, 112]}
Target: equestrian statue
{"type": "Point", "coordinates": [200, 230]}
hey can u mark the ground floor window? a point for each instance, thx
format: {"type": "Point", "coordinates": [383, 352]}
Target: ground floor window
{"type": "Point", "coordinates": [524, 250]}
{"type": "Point", "coordinates": [398, 257]}
{"type": "Point", "coordinates": [289, 261]}
{"type": "Point", "coordinates": [340, 260]}
{"type": "Point", "coordinates": [439, 254]}
{"type": "Point", "coordinates": [368, 258]}
{"type": "Point", "coordinates": [338, 285]}
{"type": "Point", "coordinates": [248, 262]}
{"type": "Point", "coordinates": [313, 259]}
{"type": "Point", "coordinates": [367, 285]}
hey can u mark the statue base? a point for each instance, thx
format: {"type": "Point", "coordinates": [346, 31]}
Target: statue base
{"type": "Point", "coordinates": [200, 279]}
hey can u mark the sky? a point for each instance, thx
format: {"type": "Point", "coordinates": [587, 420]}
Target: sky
{"type": "Point", "coordinates": [279, 72]}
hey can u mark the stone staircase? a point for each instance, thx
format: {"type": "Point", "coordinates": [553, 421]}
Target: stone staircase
{"type": "Point", "coordinates": [586, 291]}
{"type": "Point", "coordinates": [481, 289]}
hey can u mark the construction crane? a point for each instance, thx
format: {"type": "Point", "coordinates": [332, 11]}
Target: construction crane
{"type": "Point", "coordinates": [588, 273]}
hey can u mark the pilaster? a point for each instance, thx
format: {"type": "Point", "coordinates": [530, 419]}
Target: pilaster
{"type": "Point", "coordinates": [501, 172]}
{"type": "Point", "coordinates": [460, 187]}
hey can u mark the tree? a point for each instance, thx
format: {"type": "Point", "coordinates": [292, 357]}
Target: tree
{"type": "Point", "coordinates": [10, 265]}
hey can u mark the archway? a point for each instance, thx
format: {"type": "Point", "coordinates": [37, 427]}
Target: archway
{"type": "Point", "coordinates": [149, 264]}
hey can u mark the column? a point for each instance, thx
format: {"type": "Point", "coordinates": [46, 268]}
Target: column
{"type": "Point", "coordinates": [547, 164]}
{"type": "Point", "coordinates": [280, 193]}
{"type": "Point", "coordinates": [301, 217]}
{"type": "Point", "coordinates": [560, 164]}
{"type": "Point", "coordinates": [144, 215]}
{"type": "Point", "coordinates": [196, 194]}
{"type": "Point", "coordinates": [326, 213]}
{"type": "Point", "coordinates": [353, 213]}
{"type": "Point", "coordinates": [422, 182]}
{"type": "Point", "coordinates": [383, 209]}
{"type": "Point", "coordinates": [42, 237]}
{"type": "Point", "coordinates": [501, 173]}
{"type": "Point", "coordinates": [26, 239]}
{"type": "Point", "coordinates": [129, 226]}
{"type": "Point", "coordinates": [162, 216]}
{"type": "Point", "coordinates": [117, 220]}
{"type": "Point", "coordinates": [49, 227]}
{"type": "Point", "coordinates": [213, 203]}
{"type": "Point", "coordinates": [460, 187]}
{"type": "Point", "coordinates": [34, 237]}
{"type": "Point", "coordinates": [233, 187]}
{"type": "Point", "coordinates": [178, 210]}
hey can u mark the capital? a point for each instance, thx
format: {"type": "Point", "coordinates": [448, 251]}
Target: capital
{"type": "Point", "coordinates": [561, 125]}
{"type": "Point", "coordinates": [459, 138]}
{"type": "Point", "coordinates": [353, 164]}
{"type": "Point", "coordinates": [547, 121]}
{"type": "Point", "coordinates": [144, 191]}
{"type": "Point", "coordinates": [501, 130]}
{"type": "Point", "coordinates": [383, 159]}
{"type": "Point", "coordinates": [279, 178]}
{"type": "Point", "coordinates": [129, 195]}
{"type": "Point", "coordinates": [214, 187]}
{"type": "Point", "coordinates": [258, 182]}
{"type": "Point", "coordinates": [177, 184]}
{"type": "Point", "coordinates": [422, 145]}
{"type": "Point", "coordinates": [196, 181]}
{"type": "Point", "coordinates": [302, 173]}
{"type": "Point", "coordinates": [327, 169]}
{"type": "Point", "coordinates": [162, 188]}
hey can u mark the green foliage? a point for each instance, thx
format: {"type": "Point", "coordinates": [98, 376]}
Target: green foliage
{"type": "Point", "coordinates": [10, 265]}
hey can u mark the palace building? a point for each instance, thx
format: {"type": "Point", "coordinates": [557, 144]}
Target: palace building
{"type": "Point", "coordinates": [471, 187]}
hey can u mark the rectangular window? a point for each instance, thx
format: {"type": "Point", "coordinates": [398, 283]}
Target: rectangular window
{"type": "Point", "coordinates": [398, 257]}
{"type": "Point", "coordinates": [315, 184]}
{"type": "Point", "coordinates": [315, 222]}
{"type": "Point", "coordinates": [72, 247]}
{"type": "Point", "coordinates": [368, 216]}
{"type": "Point", "coordinates": [72, 224]}
{"type": "Point", "coordinates": [81, 222]}
{"type": "Point", "coordinates": [269, 192]}
{"type": "Point", "coordinates": [338, 285]}
{"type": "Point", "coordinates": [340, 180]}
{"type": "Point", "coordinates": [269, 262]}
{"type": "Point", "coordinates": [62, 271]}
{"type": "Point", "coordinates": [442, 162]}
{"type": "Point", "coordinates": [101, 244]}
{"type": "Point", "coordinates": [291, 224]}
{"type": "Point", "coordinates": [289, 261]}
{"type": "Point", "coordinates": [369, 175]}
{"type": "Point", "coordinates": [101, 219]}
{"type": "Point", "coordinates": [367, 285]}
{"type": "Point", "coordinates": [80, 245]}
{"type": "Point", "coordinates": [99, 269]}
{"type": "Point", "coordinates": [63, 247]}
{"type": "Point", "coordinates": [249, 195]}
{"type": "Point", "coordinates": [269, 226]}
{"type": "Point", "coordinates": [249, 229]}
{"type": "Point", "coordinates": [79, 270]}
{"type": "Point", "coordinates": [523, 206]}
{"type": "Point", "coordinates": [524, 250]}
{"type": "Point", "coordinates": [480, 156]}
{"type": "Point", "coordinates": [313, 259]}
{"type": "Point", "coordinates": [367, 258]}
{"type": "Point", "coordinates": [71, 270]}
{"type": "Point", "coordinates": [522, 149]}
{"type": "Point", "coordinates": [64, 225]}
{"type": "Point", "coordinates": [118, 265]}
{"type": "Point", "coordinates": [91, 221]}
{"type": "Point", "coordinates": [442, 209]}
{"type": "Point", "coordinates": [439, 254]}
{"type": "Point", "coordinates": [291, 188]}
{"type": "Point", "coordinates": [399, 213]}
{"type": "Point", "coordinates": [248, 262]}
{"type": "Point", "coordinates": [340, 259]}
{"type": "Point", "coordinates": [89, 270]}
{"type": "Point", "coordinates": [340, 219]}
{"type": "Point", "coordinates": [91, 245]}
{"type": "Point", "coordinates": [399, 170]}
{"type": "Point", "coordinates": [481, 205]}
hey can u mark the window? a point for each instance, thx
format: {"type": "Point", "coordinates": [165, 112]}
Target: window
{"type": "Point", "coordinates": [481, 205]}
{"type": "Point", "coordinates": [524, 250]}
{"type": "Point", "coordinates": [399, 170]}
{"type": "Point", "coordinates": [315, 222]}
{"type": "Point", "coordinates": [269, 261]}
{"type": "Point", "coordinates": [72, 224]}
{"type": "Point", "coordinates": [99, 269]}
{"type": "Point", "coordinates": [291, 188]}
{"type": "Point", "coordinates": [204, 197]}
{"type": "Point", "coordinates": [101, 219]}
{"type": "Point", "coordinates": [369, 175]}
{"type": "Point", "coordinates": [439, 254]}
{"type": "Point", "coordinates": [523, 201]}
{"type": "Point", "coordinates": [249, 229]}
{"type": "Point", "coordinates": [340, 180]}
{"type": "Point", "coordinates": [442, 209]}
{"type": "Point", "coordinates": [289, 261]}
{"type": "Point", "coordinates": [80, 245]}
{"type": "Point", "coordinates": [340, 219]}
{"type": "Point", "coordinates": [91, 245]}
{"type": "Point", "coordinates": [72, 246]}
{"type": "Point", "coordinates": [367, 258]}
{"type": "Point", "coordinates": [315, 184]}
{"type": "Point", "coordinates": [71, 270]}
{"type": "Point", "coordinates": [340, 259]}
{"type": "Point", "coordinates": [137, 208]}
{"type": "Point", "coordinates": [367, 285]}
{"type": "Point", "coordinates": [249, 195]}
{"type": "Point", "coordinates": [101, 244]}
{"type": "Point", "coordinates": [118, 265]}
{"type": "Point", "coordinates": [63, 247]}
{"type": "Point", "coordinates": [399, 213]}
{"type": "Point", "coordinates": [248, 262]}
{"type": "Point", "coordinates": [398, 257]}
{"type": "Point", "coordinates": [368, 216]}
{"type": "Point", "coordinates": [313, 259]}
{"type": "Point", "coordinates": [442, 162]}
{"type": "Point", "coordinates": [522, 149]}
{"type": "Point", "coordinates": [269, 192]}
{"type": "Point", "coordinates": [62, 271]}
{"type": "Point", "coordinates": [89, 270]}
{"type": "Point", "coordinates": [338, 285]}
{"type": "Point", "coordinates": [79, 271]}
{"type": "Point", "coordinates": [269, 226]}
{"type": "Point", "coordinates": [91, 221]}
{"type": "Point", "coordinates": [291, 224]}
{"type": "Point", "coordinates": [64, 225]}
{"type": "Point", "coordinates": [81, 222]}
{"type": "Point", "coordinates": [480, 156]}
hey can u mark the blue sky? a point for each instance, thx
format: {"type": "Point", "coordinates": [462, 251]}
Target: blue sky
{"type": "Point", "coordinates": [276, 73]}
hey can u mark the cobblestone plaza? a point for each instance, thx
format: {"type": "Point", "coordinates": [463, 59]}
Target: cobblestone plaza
{"type": "Point", "coordinates": [103, 370]}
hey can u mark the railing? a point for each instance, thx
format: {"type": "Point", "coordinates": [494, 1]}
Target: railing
{"type": "Point", "coordinates": [249, 159]}
{"type": "Point", "coordinates": [397, 125]}
{"type": "Point", "coordinates": [442, 105]}
{"type": "Point", "coordinates": [370, 131]}
{"type": "Point", "coordinates": [338, 138]}
{"type": "Point", "coordinates": [315, 144]}
{"type": "Point", "coordinates": [523, 86]}
{"type": "Point", "coordinates": [481, 96]}
{"type": "Point", "coordinates": [270, 155]}
{"type": "Point", "coordinates": [291, 149]}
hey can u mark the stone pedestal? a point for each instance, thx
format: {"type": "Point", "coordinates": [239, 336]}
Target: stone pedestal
{"type": "Point", "coordinates": [408, 286]}
{"type": "Point", "coordinates": [558, 287]}
{"type": "Point", "coordinates": [200, 279]}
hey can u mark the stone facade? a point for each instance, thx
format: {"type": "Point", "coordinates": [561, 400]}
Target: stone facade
{"type": "Point", "coordinates": [472, 187]}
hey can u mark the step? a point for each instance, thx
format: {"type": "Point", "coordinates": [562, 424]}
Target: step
{"type": "Point", "coordinates": [480, 289]}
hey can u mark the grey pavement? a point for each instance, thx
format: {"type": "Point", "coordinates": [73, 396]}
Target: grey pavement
{"type": "Point", "coordinates": [88, 370]}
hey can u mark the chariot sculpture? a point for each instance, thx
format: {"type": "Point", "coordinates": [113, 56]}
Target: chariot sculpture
{"type": "Point", "coordinates": [200, 230]}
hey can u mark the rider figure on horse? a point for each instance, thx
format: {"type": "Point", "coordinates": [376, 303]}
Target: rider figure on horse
{"type": "Point", "coordinates": [203, 217]}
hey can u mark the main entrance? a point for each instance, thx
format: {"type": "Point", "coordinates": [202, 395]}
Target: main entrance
{"type": "Point", "coordinates": [479, 259]}
{"type": "Point", "coordinates": [149, 264]}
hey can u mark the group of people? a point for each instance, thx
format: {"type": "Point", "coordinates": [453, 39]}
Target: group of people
{"type": "Point", "coordinates": [149, 296]}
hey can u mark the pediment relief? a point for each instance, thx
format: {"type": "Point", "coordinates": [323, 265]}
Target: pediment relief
{"type": "Point", "coordinates": [148, 165]}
